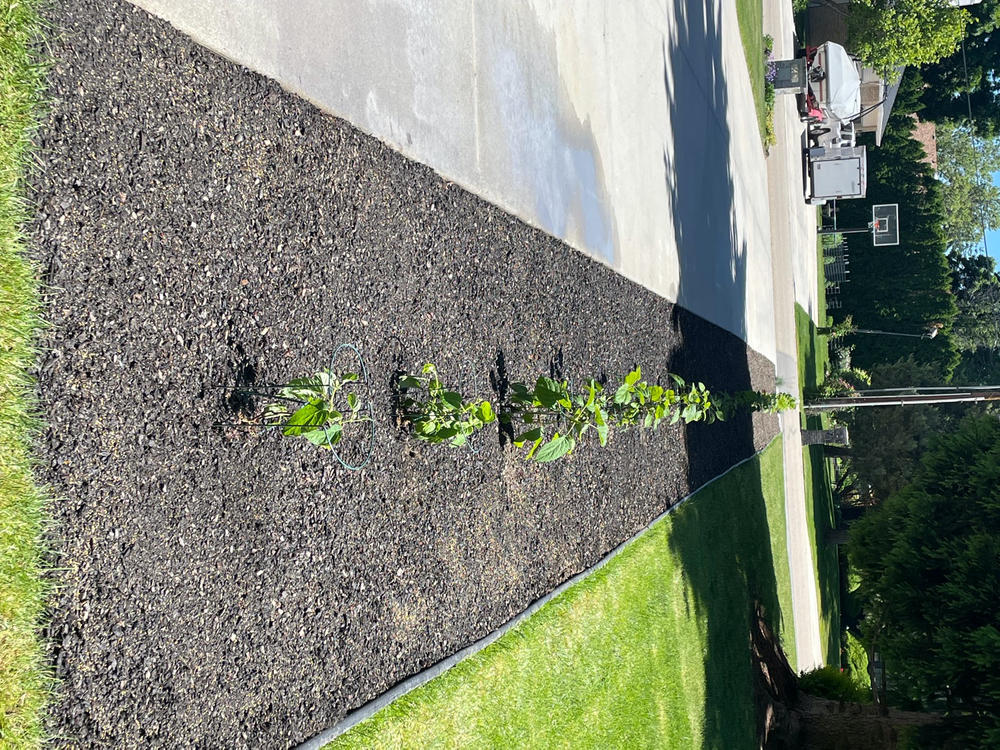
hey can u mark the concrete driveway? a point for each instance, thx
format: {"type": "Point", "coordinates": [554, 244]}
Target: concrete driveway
{"type": "Point", "coordinates": [625, 129]}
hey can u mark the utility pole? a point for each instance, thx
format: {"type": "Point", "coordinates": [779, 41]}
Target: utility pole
{"type": "Point", "coordinates": [931, 333]}
{"type": "Point", "coordinates": [908, 397]}
{"type": "Point", "coordinates": [834, 230]}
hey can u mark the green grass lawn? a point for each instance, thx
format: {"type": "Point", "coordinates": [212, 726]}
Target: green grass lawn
{"type": "Point", "coordinates": [857, 662]}
{"type": "Point", "coordinates": [819, 508]}
{"type": "Point", "coordinates": [813, 359]}
{"type": "Point", "coordinates": [649, 651]}
{"type": "Point", "coordinates": [751, 19]}
{"type": "Point", "coordinates": [23, 674]}
{"type": "Point", "coordinates": [813, 363]}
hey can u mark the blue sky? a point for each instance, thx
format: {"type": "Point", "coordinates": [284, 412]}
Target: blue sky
{"type": "Point", "coordinates": [993, 237]}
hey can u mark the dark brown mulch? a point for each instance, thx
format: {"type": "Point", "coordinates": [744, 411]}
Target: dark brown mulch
{"type": "Point", "coordinates": [226, 588]}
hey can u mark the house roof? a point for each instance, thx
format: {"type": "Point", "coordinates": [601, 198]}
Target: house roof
{"type": "Point", "coordinates": [891, 89]}
{"type": "Point", "coordinates": [925, 133]}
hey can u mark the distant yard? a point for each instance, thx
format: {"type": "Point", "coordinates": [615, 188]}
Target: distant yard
{"type": "Point", "coordinates": [751, 19]}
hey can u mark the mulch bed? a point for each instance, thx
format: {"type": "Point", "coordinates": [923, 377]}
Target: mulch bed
{"type": "Point", "coordinates": [224, 587]}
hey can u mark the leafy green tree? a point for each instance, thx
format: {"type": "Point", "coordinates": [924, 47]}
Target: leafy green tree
{"type": "Point", "coordinates": [978, 323]}
{"type": "Point", "coordinates": [903, 288]}
{"type": "Point", "coordinates": [976, 287]}
{"type": "Point", "coordinates": [886, 34]}
{"type": "Point", "coordinates": [965, 164]}
{"type": "Point", "coordinates": [976, 330]}
{"type": "Point", "coordinates": [887, 442]}
{"type": "Point", "coordinates": [978, 367]}
{"type": "Point", "coordinates": [969, 272]}
{"type": "Point", "coordinates": [974, 70]}
{"type": "Point", "coordinates": [928, 561]}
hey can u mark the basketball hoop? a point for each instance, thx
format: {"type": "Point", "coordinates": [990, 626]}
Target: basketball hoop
{"type": "Point", "coordinates": [885, 224]}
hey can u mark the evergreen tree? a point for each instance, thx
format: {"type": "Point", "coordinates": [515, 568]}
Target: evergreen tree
{"type": "Point", "coordinates": [887, 442]}
{"type": "Point", "coordinates": [903, 288]}
{"type": "Point", "coordinates": [977, 72]}
{"type": "Point", "coordinates": [928, 560]}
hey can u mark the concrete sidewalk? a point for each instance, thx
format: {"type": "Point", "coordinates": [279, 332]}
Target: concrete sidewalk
{"type": "Point", "coordinates": [625, 129]}
{"type": "Point", "coordinates": [793, 236]}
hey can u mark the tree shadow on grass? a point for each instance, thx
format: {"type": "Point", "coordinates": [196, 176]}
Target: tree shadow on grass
{"type": "Point", "coordinates": [827, 553]}
{"type": "Point", "coordinates": [723, 538]}
{"type": "Point", "coordinates": [723, 541]}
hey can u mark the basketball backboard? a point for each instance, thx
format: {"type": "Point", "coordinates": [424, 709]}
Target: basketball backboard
{"type": "Point", "coordinates": [885, 224]}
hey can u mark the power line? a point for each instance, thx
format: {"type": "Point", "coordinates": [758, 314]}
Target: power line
{"type": "Point", "coordinates": [972, 126]}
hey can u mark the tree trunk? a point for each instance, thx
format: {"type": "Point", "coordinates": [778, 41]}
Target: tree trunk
{"type": "Point", "coordinates": [793, 720]}
{"type": "Point", "coordinates": [829, 725]}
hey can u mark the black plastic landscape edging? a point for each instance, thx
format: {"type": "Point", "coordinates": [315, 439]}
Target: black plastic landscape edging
{"type": "Point", "coordinates": [369, 709]}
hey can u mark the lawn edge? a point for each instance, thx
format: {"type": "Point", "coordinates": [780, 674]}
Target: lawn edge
{"type": "Point", "coordinates": [26, 680]}
{"type": "Point", "coordinates": [372, 707]}
{"type": "Point", "coordinates": [806, 332]}
{"type": "Point", "coordinates": [752, 40]}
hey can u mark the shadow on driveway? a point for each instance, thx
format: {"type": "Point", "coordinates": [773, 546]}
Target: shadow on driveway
{"type": "Point", "coordinates": [722, 542]}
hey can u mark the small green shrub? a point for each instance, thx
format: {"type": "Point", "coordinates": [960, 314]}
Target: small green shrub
{"type": "Point", "coordinates": [770, 76]}
{"type": "Point", "coordinates": [551, 417]}
{"type": "Point", "coordinates": [325, 408]}
{"type": "Point", "coordinates": [831, 240]}
{"type": "Point", "coordinates": [857, 664]}
{"type": "Point", "coordinates": [832, 683]}
{"type": "Point", "coordinates": [844, 382]}
{"type": "Point", "coordinates": [838, 330]}
{"type": "Point", "coordinates": [438, 414]}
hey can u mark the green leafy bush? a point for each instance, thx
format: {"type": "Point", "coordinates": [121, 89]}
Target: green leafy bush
{"type": "Point", "coordinates": [838, 330]}
{"type": "Point", "coordinates": [844, 382]}
{"type": "Point", "coordinates": [770, 75]}
{"type": "Point", "coordinates": [438, 414]}
{"type": "Point", "coordinates": [325, 408]}
{"type": "Point", "coordinates": [857, 665]}
{"type": "Point", "coordinates": [832, 683]}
